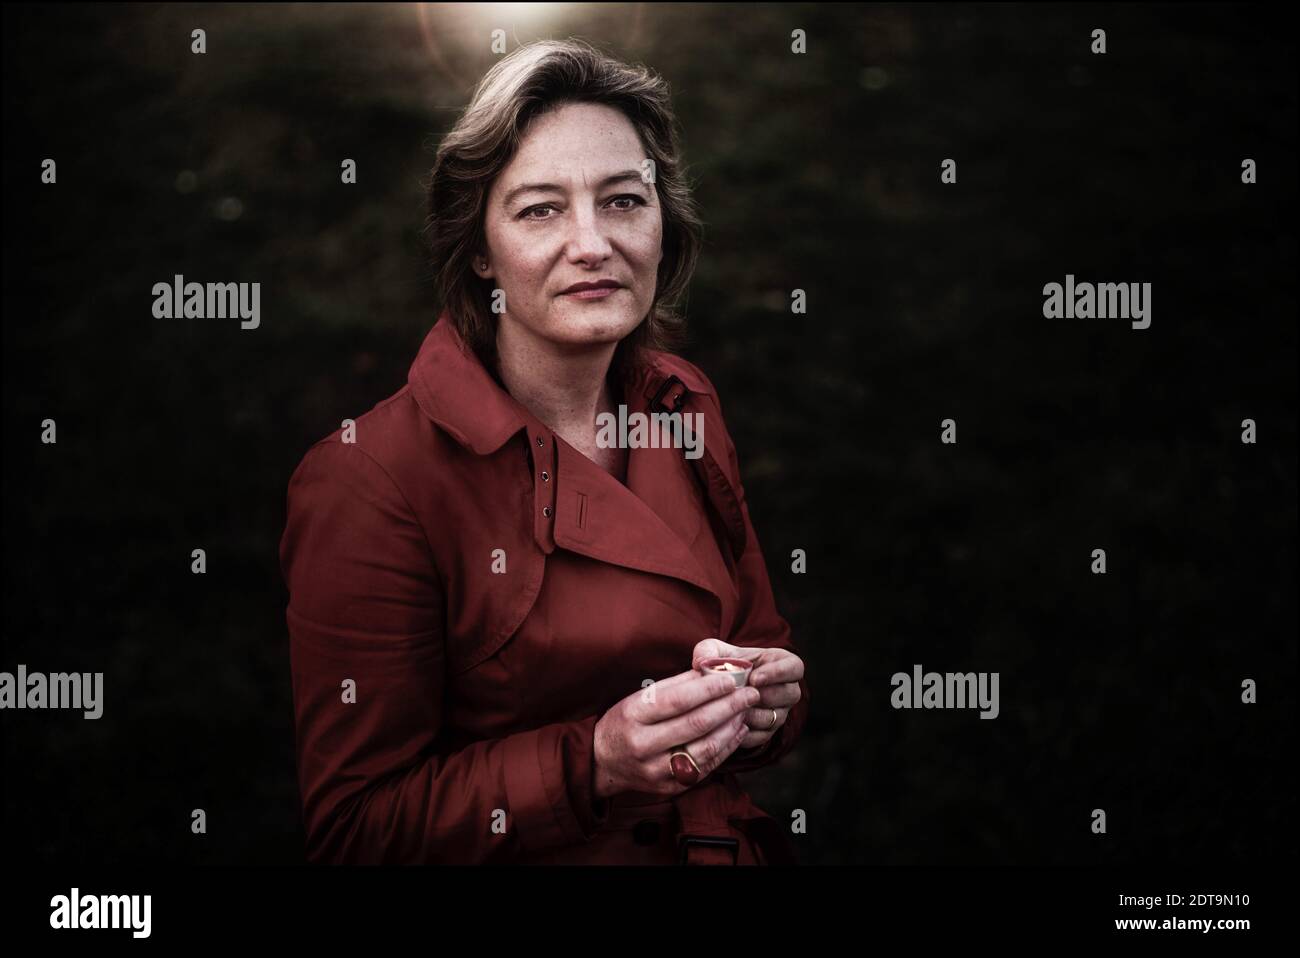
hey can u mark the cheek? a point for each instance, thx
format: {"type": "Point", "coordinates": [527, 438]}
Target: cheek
{"type": "Point", "coordinates": [522, 262]}
{"type": "Point", "coordinates": [645, 249]}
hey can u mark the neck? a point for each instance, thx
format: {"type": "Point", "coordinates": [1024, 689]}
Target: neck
{"type": "Point", "coordinates": [564, 388]}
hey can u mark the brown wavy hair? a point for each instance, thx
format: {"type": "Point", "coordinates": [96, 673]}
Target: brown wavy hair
{"type": "Point", "coordinates": [534, 79]}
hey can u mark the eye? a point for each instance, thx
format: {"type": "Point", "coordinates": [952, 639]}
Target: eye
{"type": "Point", "coordinates": [540, 207]}
{"type": "Point", "coordinates": [632, 200]}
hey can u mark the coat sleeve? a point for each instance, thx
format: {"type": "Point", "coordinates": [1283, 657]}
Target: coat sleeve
{"type": "Point", "coordinates": [759, 624]}
{"type": "Point", "coordinates": [366, 631]}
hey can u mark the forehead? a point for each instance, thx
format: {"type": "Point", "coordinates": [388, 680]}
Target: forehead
{"type": "Point", "coordinates": [574, 143]}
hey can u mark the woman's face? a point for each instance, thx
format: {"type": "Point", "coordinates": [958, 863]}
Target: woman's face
{"type": "Point", "coordinates": [571, 208]}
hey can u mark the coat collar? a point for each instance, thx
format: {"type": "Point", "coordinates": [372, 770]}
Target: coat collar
{"type": "Point", "coordinates": [453, 389]}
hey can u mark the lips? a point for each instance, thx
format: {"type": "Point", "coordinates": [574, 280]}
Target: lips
{"type": "Point", "coordinates": [606, 284]}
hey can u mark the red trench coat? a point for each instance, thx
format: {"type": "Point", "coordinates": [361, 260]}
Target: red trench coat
{"type": "Point", "coordinates": [477, 691]}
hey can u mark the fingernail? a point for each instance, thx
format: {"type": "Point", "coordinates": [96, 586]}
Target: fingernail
{"type": "Point", "coordinates": [752, 696]}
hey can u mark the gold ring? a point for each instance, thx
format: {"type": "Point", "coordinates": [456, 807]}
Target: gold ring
{"type": "Point", "coordinates": [772, 724]}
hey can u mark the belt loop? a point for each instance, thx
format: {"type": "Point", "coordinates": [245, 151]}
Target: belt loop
{"type": "Point", "coordinates": [702, 815]}
{"type": "Point", "coordinates": [685, 844]}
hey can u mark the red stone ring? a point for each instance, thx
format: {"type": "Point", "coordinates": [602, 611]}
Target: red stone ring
{"type": "Point", "coordinates": [683, 767]}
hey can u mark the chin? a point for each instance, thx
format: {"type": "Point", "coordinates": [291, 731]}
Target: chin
{"type": "Point", "coordinates": [595, 329]}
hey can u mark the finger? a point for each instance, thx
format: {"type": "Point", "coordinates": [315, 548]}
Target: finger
{"type": "Point", "coordinates": [754, 739]}
{"type": "Point", "coordinates": [672, 698]}
{"type": "Point", "coordinates": [713, 649]}
{"type": "Point", "coordinates": [757, 720]}
{"type": "Point", "coordinates": [725, 651]}
{"type": "Point", "coordinates": [661, 684]}
{"type": "Point", "coordinates": [774, 669]}
{"type": "Point", "coordinates": [649, 694]}
{"type": "Point", "coordinates": [713, 749]}
{"type": "Point", "coordinates": [700, 721]}
{"type": "Point", "coordinates": [778, 696]}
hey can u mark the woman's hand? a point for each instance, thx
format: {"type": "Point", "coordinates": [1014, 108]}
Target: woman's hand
{"type": "Point", "coordinates": [634, 738]}
{"type": "Point", "coordinates": [776, 675]}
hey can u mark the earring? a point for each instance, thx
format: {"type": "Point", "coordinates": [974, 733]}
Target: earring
{"type": "Point", "coordinates": [482, 266]}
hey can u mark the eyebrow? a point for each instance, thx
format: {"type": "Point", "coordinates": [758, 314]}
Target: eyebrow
{"type": "Point", "coordinates": [518, 191]}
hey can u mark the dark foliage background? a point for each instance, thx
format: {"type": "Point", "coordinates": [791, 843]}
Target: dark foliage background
{"type": "Point", "coordinates": [818, 172]}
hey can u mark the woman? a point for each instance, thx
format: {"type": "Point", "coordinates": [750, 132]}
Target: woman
{"type": "Point", "coordinates": [495, 617]}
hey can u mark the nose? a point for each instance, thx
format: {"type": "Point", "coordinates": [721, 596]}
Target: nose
{"type": "Point", "coordinates": [587, 245]}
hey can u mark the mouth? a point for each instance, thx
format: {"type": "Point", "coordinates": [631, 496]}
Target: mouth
{"type": "Point", "coordinates": [597, 290]}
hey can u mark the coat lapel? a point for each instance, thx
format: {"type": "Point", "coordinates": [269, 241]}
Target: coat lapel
{"type": "Point", "coordinates": [597, 516]}
{"type": "Point", "coordinates": [653, 523]}
{"type": "Point", "coordinates": [674, 385]}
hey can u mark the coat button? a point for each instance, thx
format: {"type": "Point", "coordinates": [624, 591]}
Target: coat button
{"type": "Point", "coordinates": [540, 442]}
{"type": "Point", "coordinates": [546, 476]}
{"type": "Point", "coordinates": [646, 832]}
{"type": "Point", "coordinates": [546, 511]}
